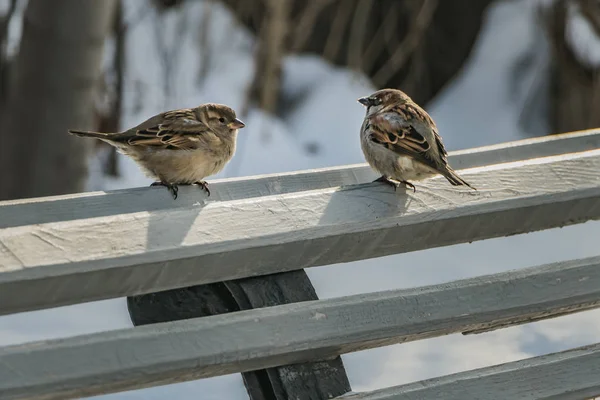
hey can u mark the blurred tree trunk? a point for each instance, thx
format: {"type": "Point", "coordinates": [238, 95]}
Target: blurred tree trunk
{"type": "Point", "coordinates": [271, 50]}
{"type": "Point", "coordinates": [575, 98]}
{"type": "Point", "coordinates": [4, 59]}
{"type": "Point", "coordinates": [109, 119]}
{"type": "Point", "coordinates": [52, 89]}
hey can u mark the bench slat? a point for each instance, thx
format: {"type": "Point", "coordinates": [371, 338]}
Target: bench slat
{"type": "Point", "coordinates": [292, 333]}
{"type": "Point", "coordinates": [99, 204]}
{"type": "Point", "coordinates": [568, 375]}
{"type": "Point", "coordinates": [98, 258]}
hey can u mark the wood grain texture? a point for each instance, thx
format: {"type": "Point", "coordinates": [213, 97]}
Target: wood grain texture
{"type": "Point", "coordinates": [99, 204]}
{"type": "Point", "coordinates": [568, 375]}
{"type": "Point", "coordinates": [97, 258]}
{"type": "Point", "coordinates": [315, 380]}
{"type": "Point", "coordinates": [292, 333]}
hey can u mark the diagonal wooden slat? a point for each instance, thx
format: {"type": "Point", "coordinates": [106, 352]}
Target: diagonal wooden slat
{"type": "Point", "coordinates": [311, 380]}
{"type": "Point", "coordinates": [293, 333]}
{"type": "Point", "coordinates": [91, 259]}
{"type": "Point", "coordinates": [100, 204]}
{"type": "Point", "coordinates": [568, 375]}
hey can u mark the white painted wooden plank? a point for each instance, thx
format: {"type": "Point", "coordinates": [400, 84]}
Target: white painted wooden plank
{"type": "Point", "coordinates": [292, 333]}
{"type": "Point", "coordinates": [568, 375]}
{"type": "Point", "coordinates": [98, 204]}
{"type": "Point", "coordinates": [90, 259]}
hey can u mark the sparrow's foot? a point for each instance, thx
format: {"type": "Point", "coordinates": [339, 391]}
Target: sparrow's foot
{"type": "Point", "coordinates": [410, 185]}
{"type": "Point", "coordinates": [390, 182]}
{"type": "Point", "coordinates": [172, 188]}
{"type": "Point", "coordinates": [204, 185]}
{"type": "Point", "coordinates": [395, 183]}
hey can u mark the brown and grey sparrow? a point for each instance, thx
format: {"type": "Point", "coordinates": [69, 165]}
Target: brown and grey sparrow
{"type": "Point", "coordinates": [179, 147]}
{"type": "Point", "coordinates": [401, 141]}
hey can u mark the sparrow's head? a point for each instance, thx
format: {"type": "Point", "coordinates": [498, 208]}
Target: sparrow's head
{"type": "Point", "coordinates": [383, 98]}
{"type": "Point", "coordinates": [219, 117]}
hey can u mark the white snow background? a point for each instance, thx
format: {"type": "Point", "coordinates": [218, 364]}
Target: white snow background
{"type": "Point", "coordinates": [484, 105]}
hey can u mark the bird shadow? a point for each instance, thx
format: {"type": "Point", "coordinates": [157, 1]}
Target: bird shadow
{"type": "Point", "coordinates": [357, 213]}
{"type": "Point", "coordinates": [167, 229]}
{"type": "Point", "coordinates": [126, 201]}
{"type": "Point", "coordinates": [365, 203]}
{"type": "Point", "coordinates": [350, 210]}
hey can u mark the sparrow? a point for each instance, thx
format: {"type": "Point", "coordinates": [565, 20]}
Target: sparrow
{"type": "Point", "coordinates": [179, 147]}
{"type": "Point", "coordinates": [401, 142]}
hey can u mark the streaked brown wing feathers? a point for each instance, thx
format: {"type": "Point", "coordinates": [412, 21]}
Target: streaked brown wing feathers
{"type": "Point", "coordinates": [422, 116]}
{"type": "Point", "coordinates": [178, 130]}
{"type": "Point", "coordinates": [401, 136]}
{"type": "Point", "coordinates": [394, 135]}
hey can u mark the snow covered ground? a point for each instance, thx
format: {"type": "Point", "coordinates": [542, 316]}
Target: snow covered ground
{"type": "Point", "coordinates": [483, 105]}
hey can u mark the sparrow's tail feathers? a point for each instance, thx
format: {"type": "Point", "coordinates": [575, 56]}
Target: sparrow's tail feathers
{"type": "Point", "coordinates": [98, 135]}
{"type": "Point", "coordinates": [455, 179]}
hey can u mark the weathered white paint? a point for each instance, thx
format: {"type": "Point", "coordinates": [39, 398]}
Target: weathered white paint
{"type": "Point", "coordinates": [98, 204]}
{"type": "Point", "coordinates": [569, 375]}
{"type": "Point", "coordinates": [255, 339]}
{"type": "Point", "coordinates": [96, 258]}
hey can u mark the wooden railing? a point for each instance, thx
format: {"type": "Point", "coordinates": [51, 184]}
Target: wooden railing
{"type": "Point", "coordinates": [246, 247]}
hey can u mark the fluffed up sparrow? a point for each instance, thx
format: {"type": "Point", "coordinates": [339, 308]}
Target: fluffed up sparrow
{"type": "Point", "coordinates": [179, 147]}
{"type": "Point", "coordinates": [401, 142]}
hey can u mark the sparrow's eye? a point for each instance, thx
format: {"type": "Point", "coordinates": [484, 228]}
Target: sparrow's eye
{"type": "Point", "coordinates": [375, 101]}
{"type": "Point", "coordinates": [222, 120]}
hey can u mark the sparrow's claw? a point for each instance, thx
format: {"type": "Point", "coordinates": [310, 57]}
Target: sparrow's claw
{"type": "Point", "coordinates": [204, 185]}
{"type": "Point", "coordinates": [394, 183]}
{"type": "Point", "coordinates": [388, 181]}
{"type": "Point", "coordinates": [172, 188]}
{"type": "Point", "coordinates": [410, 185]}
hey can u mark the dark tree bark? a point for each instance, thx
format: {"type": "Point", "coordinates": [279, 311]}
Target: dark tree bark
{"type": "Point", "coordinates": [52, 89]}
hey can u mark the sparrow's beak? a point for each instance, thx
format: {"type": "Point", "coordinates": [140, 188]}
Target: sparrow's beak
{"type": "Point", "coordinates": [365, 101]}
{"type": "Point", "coordinates": [236, 124]}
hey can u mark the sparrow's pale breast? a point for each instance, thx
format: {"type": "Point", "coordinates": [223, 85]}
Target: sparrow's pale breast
{"type": "Point", "coordinates": [181, 166]}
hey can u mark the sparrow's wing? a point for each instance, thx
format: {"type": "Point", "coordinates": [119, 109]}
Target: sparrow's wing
{"type": "Point", "coordinates": [178, 129]}
{"type": "Point", "coordinates": [408, 130]}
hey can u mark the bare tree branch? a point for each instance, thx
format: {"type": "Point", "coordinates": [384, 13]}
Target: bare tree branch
{"type": "Point", "coordinates": [271, 50]}
{"type": "Point", "coordinates": [591, 11]}
{"type": "Point", "coordinates": [110, 121]}
{"type": "Point", "coordinates": [203, 40]}
{"type": "Point", "coordinates": [4, 62]}
{"type": "Point", "coordinates": [382, 37]}
{"type": "Point", "coordinates": [332, 29]}
{"type": "Point", "coordinates": [335, 39]}
{"type": "Point", "coordinates": [306, 22]}
{"type": "Point", "coordinates": [402, 53]}
{"type": "Point", "coordinates": [4, 23]}
{"type": "Point", "coordinates": [576, 89]}
{"type": "Point", "coordinates": [357, 34]}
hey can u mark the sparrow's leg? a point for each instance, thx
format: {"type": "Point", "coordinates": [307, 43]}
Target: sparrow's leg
{"type": "Point", "coordinates": [390, 182]}
{"type": "Point", "coordinates": [410, 185]}
{"type": "Point", "coordinates": [395, 183]}
{"type": "Point", "coordinates": [172, 188]}
{"type": "Point", "coordinates": [204, 185]}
